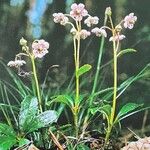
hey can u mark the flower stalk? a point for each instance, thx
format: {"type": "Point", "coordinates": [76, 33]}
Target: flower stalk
{"type": "Point", "coordinates": [113, 110]}
{"type": "Point", "coordinates": [36, 82]}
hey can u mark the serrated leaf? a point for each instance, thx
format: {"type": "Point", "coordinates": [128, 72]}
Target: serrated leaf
{"type": "Point", "coordinates": [28, 111]}
{"type": "Point", "coordinates": [85, 68]}
{"type": "Point", "coordinates": [6, 142]}
{"type": "Point", "coordinates": [127, 108]}
{"type": "Point", "coordinates": [128, 50]}
{"type": "Point", "coordinates": [7, 130]}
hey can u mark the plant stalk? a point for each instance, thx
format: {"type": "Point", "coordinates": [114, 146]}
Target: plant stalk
{"type": "Point", "coordinates": [36, 83]}
{"type": "Point", "coordinates": [113, 110]}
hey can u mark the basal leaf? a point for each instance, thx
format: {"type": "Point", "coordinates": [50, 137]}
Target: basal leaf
{"type": "Point", "coordinates": [42, 120]}
{"type": "Point", "coordinates": [28, 111]}
{"type": "Point", "coordinates": [23, 141]}
{"type": "Point", "coordinates": [82, 147]}
{"type": "Point", "coordinates": [7, 130]}
{"type": "Point", "coordinates": [85, 68]}
{"type": "Point", "coordinates": [6, 142]}
{"type": "Point", "coordinates": [46, 118]}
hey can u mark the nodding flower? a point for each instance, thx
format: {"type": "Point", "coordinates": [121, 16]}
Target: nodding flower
{"type": "Point", "coordinates": [91, 21]}
{"type": "Point", "coordinates": [117, 37]}
{"type": "Point", "coordinates": [99, 32]}
{"type": "Point", "coordinates": [16, 63]}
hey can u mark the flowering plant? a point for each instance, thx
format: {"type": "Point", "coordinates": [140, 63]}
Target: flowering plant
{"type": "Point", "coordinates": [36, 116]}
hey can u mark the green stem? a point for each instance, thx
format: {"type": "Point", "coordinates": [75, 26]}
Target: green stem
{"type": "Point", "coordinates": [85, 124]}
{"type": "Point", "coordinates": [113, 110]}
{"type": "Point", "coordinates": [98, 63]}
{"type": "Point", "coordinates": [77, 65]}
{"type": "Point", "coordinates": [36, 83]}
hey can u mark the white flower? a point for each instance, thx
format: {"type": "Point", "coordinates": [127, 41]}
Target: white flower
{"type": "Point", "coordinates": [60, 18]}
{"type": "Point", "coordinates": [130, 20]}
{"type": "Point", "coordinates": [40, 48]}
{"type": "Point", "coordinates": [16, 63]}
{"type": "Point", "coordinates": [117, 38]}
{"type": "Point", "coordinates": [99, 32]}
{"type": "Point", "coordinates": [91, 21]}
{"type": "Point", "coordinates": [84, 34]}
{"type": "Point", "coordinates": [78, 11]}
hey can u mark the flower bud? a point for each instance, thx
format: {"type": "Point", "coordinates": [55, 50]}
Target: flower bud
{"type": "Point", "coordinates": [118, 28]}
{"type": "Point", "coordinates": [108, 11]}
{"type": "Point", "coordinates": [23, 42]}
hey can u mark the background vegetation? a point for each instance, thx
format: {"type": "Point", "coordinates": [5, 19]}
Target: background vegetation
{"type": "Point", "coordinates": [33, 19]}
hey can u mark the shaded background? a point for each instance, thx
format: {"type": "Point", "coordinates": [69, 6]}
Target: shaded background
{"type": "Point", "coordinates": [32, 19]}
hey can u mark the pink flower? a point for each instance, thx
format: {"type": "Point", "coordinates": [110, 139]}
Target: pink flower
{"type": "Point", "coordinates": [130, 20]}
{"type": "Point", "coordinates": [84, 34]}
{"type": "Point", "coordinates": [91, 21]}
{"type": "Point", "coordinates": [16, 63]}
{"type": "Point", "coordinates": [99, 32]}
{"type": "Point", "coordinates": [117, 38]}
{"type": "Point", "coordinates": [78, 11]}
{"type": "Point", "coordinates": [60, 18]}
{"type": "Point", "coordinates": [40, 48]}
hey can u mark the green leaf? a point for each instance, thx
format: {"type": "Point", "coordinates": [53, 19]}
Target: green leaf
{"type": "Point", "coordinates": [82, 147]}
{"type": "Point", "coordinates": [23, 141]}
{"type": "Point", "coordinates": [129, 50]}
{"type": "Point", "coordinates": [106, 110]}
{"type": "Point", "coordinates": [46, 118]}
{"type": "Point", "coordinates": [65, 99]}
{"type": "Point", "coordinates": [7, 130]}
{"type": "Point", "coordinates": [85, 68]}
{"type": "Point", "coordinates": [28, 111]}
{"type": "Point", "coordinates": [42, 120]}
{"type": "Point", "coordinates": [133, 112]}
{"type": "Point", "coordinates": [128, 108]}
{"type": "Point", "coordinates": [6, 142]}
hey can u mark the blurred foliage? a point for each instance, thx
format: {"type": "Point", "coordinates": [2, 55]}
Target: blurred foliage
{"type": "Point", "coordinates": [33, 19]}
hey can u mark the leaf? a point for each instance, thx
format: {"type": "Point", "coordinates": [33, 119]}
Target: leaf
{"type": "Point", "coordinates": [28, 111]}
{"type": "Point", "coordinates": [6, 142]}
{"type": "Point", "coordinates": [127, 108]}
{"type": "Point", "coordinates": [106, 110]}
{"type": "Point", "coordinates": [133, 112]}
{"type": "Point", "coordinates": [46, 118]}
{"type": "Point", "coordinates": [122, 52]}
{"type": "Point", "coordinates": [85, 68]}
{"type": "Point", "coordinates": [65, 99]}
{"type": "Point", "coordinates": [42, 120]}
{"type": "Point", "coordinates": [24, 141]}
{"type": "Point", "coordinates": [82, 147]}
{"type": "Point", "coordinates": [7, 130]}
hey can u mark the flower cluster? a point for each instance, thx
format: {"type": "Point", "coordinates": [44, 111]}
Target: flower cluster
{"type": "Point", "coordinates": [141, 144]}
{"type": "Point", "coordinates": [16, 63]}
{"type": "Point", "coordinates": [77, 13]}
{"type": "Point", "coordinates": [39, 49]}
